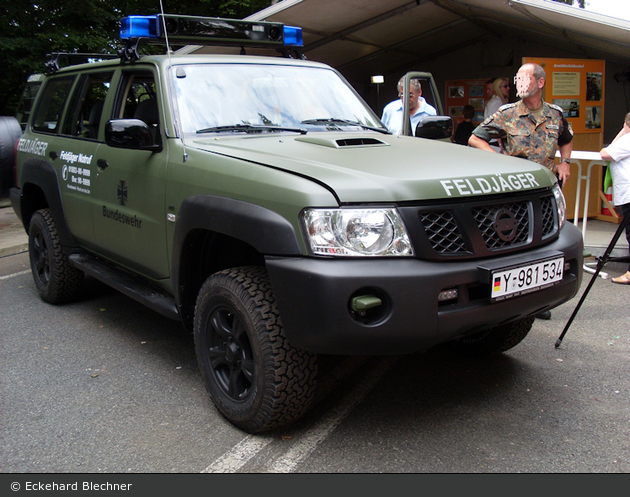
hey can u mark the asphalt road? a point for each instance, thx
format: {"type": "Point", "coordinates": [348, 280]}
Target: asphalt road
{"type": "Point", "coordinates": [105, 385]}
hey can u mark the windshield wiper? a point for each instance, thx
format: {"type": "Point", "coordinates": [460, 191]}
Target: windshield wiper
{"type": "Point", "coordinates": [250, 128]}
{"type": "Point", "coordinates": [347, 122]}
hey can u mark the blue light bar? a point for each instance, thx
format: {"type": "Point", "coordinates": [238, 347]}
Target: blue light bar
{"type": "Point", "coordinates": [209, 31]}
{"type": "Point", "coordinates": [293, 36]}
{"type": "Point", "coordinates": [140, 27]}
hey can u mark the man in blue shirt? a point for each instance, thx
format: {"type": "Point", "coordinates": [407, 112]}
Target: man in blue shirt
{"type": "Point", "coordinates": [418, 108]}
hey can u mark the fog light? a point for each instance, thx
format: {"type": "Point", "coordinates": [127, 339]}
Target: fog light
{"type": "Point", "coordinates": [449, 294]}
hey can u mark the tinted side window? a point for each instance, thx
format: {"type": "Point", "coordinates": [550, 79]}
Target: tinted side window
{"type": "Point", "coordinates": [428, 94]}
{"type": "Point", "coordinates": [26, 102]}
{"type": "Point", "coordinates": [137, 99]}
{"type": "Point", "coordinates": [137, 87]}
{"type": "Point", "coordinates": [50, 108]}
{"type": "Point", "coordinates": [86, 110]}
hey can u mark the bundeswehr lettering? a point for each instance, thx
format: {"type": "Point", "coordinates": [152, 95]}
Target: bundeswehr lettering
{"type": "Point", "coordinates": [116, 215]}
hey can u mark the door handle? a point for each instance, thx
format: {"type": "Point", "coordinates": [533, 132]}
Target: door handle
{"type": "Point", "coordinates": [102, 163]}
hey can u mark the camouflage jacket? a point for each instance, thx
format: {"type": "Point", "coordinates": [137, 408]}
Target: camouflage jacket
{"type": "Point", "coordinates": [524, 136]}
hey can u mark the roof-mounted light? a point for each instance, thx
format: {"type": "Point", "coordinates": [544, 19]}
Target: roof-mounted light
{"type": "Point", "coordinates": [140, 27]}
{"type": "Point", "coordinates": [210, 31]}
{"type": "Point", "coordinates": [293, 36]}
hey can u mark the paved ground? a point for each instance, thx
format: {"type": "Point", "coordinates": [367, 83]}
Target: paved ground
{"type": "Point", "coordinates": [106, 385]}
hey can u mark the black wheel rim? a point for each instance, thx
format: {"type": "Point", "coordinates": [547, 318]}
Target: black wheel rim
{"type": "Point", "coordinates": [41, 264]}
{"type": "Point", "coordinates": [230, 356]}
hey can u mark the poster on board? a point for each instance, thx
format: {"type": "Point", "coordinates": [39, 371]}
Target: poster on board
{"type": "Point", "coordinates": [462, 92]}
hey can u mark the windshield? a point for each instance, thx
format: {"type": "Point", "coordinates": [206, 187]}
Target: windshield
{"type": "Point", "coordinates": [248, 97]}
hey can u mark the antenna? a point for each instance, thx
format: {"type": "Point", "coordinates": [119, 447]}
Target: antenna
{"type": "Point", "coordinates": [168, 46]}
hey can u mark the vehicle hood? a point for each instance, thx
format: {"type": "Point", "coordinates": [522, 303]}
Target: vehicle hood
{"type": "Point", "coordinates": [374, 167]}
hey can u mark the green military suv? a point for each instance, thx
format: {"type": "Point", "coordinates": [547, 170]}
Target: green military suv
{"type": "Point", "coordinates": [261, 202]}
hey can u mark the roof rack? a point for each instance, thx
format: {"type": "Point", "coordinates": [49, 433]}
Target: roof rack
{"type": "Point", "coordinates": [72, 59]}
{"type": "Point", "coordinates": [216, 31]}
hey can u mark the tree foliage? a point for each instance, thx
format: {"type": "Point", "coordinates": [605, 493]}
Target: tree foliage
{"type": "Point", "coordinates": [30, 30]}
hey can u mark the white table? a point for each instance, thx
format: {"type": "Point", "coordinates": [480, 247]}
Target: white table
{"type": "Point", "coordinates": [593, 158]}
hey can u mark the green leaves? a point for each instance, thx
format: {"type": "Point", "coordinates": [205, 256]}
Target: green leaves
{"type": "Point", "coordinates": [32, 30]}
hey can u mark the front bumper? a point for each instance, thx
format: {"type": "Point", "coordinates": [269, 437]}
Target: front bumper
{"type": "Point", "coordinates": [313, 297]}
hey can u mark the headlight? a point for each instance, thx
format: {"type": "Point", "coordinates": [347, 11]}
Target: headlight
{"type": "Point", "coordinates": [356, 232]}
{"type": "Point", "coordinates": [561, 205]}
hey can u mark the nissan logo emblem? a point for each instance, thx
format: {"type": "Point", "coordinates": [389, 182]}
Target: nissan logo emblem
{"type": "Point", "coordinates": [505, 225]}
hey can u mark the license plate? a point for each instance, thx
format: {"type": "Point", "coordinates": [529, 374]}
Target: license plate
{"type": "Point", "coordinates": [520, 280]}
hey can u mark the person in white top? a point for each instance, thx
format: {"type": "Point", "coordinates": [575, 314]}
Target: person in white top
{"type": "Point", "coordinates": [618, 152]}
{"type": "Point", "coordinates": [500, 96]}
{"type": "Point", "coordinates": [418, 108]}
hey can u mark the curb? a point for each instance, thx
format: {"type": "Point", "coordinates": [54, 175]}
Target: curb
{"type": "Point", "coordinates": [14, 250]}
{"type": "Point", "coordinates": [13, 238]}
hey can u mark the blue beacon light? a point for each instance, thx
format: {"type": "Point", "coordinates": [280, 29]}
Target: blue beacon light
{"type": "Point", "coordinates": [293, 36]}
{"type": "Point", "coordinates": [139, 27]}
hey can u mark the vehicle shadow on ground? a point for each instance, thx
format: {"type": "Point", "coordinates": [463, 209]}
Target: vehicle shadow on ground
{"type": "Point", "coordinates": [425, 386]}
{"type": "Point", "coordinates": [415, 386]}
{"type": "Point", "coordinates": [132, 321]}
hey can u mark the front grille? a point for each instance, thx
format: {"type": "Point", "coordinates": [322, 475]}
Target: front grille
{"type": "Point", "coordinates": [481, 229]}
{"type": "Point", "coordinates": [443, 232]}
{"type": "Point", "coordinates": [503, 225]}
{"type": "Point", "coordinates": [548, 207]}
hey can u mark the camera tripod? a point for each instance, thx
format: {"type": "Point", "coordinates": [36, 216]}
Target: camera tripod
{"type": "Point", "coordinates": [601, 261]}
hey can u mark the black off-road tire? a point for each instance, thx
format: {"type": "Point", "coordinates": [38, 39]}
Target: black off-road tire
{"type": "Point", "coordinates": [256, 379]}
{"type": "Point", "coordinates": [10, 132]}
{"type": "Point", "coordinates": [56, 279]}
{"type": "Point", "coordinates": [495, 340]}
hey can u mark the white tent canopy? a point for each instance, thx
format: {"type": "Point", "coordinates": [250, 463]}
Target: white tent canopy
{"type": "Point", "coordinates": [380, 36]}
{"type": "Point", "coordinates": [451, 38]}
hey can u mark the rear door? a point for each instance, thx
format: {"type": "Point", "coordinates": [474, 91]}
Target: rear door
{"type": "Point", "coordinates": [71, 108]}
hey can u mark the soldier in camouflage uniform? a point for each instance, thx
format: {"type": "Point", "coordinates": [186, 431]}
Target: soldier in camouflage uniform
{"type": "Point", "coordinates": [530, 128]}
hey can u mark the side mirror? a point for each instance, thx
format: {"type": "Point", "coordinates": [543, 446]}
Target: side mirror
{"type": "Point", "coordinates": [132, 133]}
{"type": "Point", "coordinates": [435, 128]}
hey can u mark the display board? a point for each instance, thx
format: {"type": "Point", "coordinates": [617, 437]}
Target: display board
{"type": "Point", "coordinates": [460, 92]}
{"type": "Point", "coordinates": [576, 85]}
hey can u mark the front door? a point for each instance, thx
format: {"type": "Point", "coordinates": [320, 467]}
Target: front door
{"type": "Point", "coordinates": [129, 216]}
